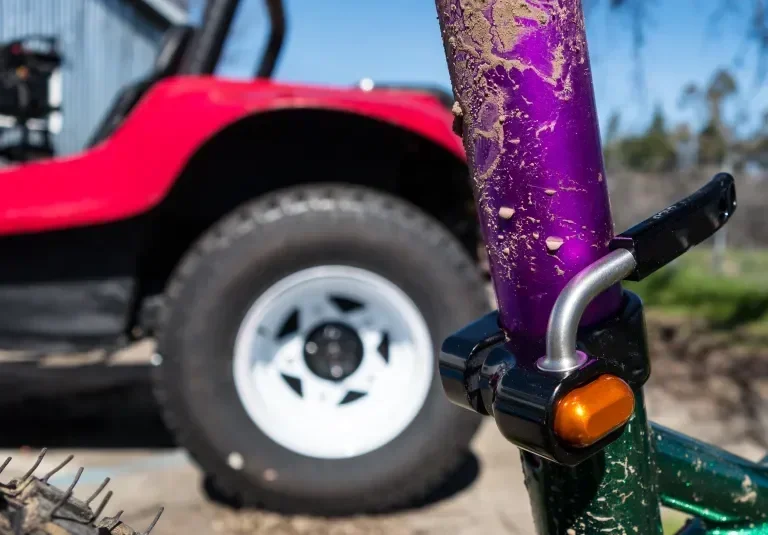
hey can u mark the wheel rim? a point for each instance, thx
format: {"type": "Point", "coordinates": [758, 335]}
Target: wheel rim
{"type": "Point", "coordinates": [333, 362]}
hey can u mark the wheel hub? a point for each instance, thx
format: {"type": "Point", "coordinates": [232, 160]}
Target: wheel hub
{"type": "Point", "coordinates": [333, 362]}
{"type": "Point", "coordinates": [333, 351]}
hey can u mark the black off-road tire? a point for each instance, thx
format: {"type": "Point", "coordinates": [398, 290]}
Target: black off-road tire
{"type": "Point", "coordinates": [31, 506]}
{"type": "Point", "coordinates": [230, 266]}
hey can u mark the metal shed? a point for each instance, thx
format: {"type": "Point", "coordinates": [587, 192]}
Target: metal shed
{"type": "Point", "coordinates": [105, 43]}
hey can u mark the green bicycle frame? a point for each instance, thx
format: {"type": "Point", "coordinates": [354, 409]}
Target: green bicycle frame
{"type": "Point", "coordinates": [521, 75]}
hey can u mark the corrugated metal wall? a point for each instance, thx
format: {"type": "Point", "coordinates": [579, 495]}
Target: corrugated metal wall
{"type": "Point", "coordinates": [106, 43]}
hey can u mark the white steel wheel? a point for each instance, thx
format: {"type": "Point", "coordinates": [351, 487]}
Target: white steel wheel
{"type": "Point", "coordinates": [333, 362]}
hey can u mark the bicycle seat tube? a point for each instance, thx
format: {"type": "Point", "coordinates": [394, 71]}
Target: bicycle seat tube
{"type": "Point", "coordinates": [525, 102]}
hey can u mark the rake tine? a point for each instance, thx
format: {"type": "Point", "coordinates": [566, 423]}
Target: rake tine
{"type": "Point", "coordinates": [102, 505]}
{"type": "Point", "coordinates": [7, 461]}
{"type": "Point", "coordinates": [64, 463]}
{"type": "Point", "coordinates": [34, 466]}
{"type": "Point", "coordinates": [67, 493]}
{"type": "Point", "coordinates": [152, 525]}
{"type": "Point", "coordinates": [97, 492]}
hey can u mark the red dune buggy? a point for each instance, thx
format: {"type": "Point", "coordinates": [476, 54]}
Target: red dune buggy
{"type": "Point", "coordinates": [297, 252]}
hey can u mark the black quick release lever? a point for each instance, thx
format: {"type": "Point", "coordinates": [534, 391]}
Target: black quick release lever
{"type": "Point", "coordinates": [667, 235]}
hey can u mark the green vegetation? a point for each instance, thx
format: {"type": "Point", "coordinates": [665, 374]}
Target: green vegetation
{"type": "Point", "coordinates": [652, 151]}
{"type": "Point", "coordinates": [660, 148]}
{"type": "Point", "coordinates": [735, 298]}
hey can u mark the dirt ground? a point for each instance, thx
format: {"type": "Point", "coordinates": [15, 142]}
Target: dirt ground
{"type": "Point", "coordinates": [708, 385]}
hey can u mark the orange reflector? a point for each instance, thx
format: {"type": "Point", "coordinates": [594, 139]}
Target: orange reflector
{"type": "Point", "coordinates": [589, 413]}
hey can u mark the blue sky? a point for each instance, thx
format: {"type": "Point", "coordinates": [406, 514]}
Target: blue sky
{"type": "Point", "coordinates": [342, 41]}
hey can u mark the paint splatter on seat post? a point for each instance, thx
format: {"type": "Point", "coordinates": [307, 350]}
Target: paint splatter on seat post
{"type": "Point", "coordinates": [521, 74]}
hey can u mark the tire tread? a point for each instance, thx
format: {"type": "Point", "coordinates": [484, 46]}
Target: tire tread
{"type": "Point", "coordinates": [364, 202]}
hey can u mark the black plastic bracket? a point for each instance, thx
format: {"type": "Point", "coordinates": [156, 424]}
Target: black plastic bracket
{"type": "Point", "coordinates": [481, 374]}
{"type": "Point", "coordinates": [667, 235]}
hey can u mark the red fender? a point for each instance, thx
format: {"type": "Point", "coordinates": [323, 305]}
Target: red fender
{"type": "Point", "coordinates": [134, 169]}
